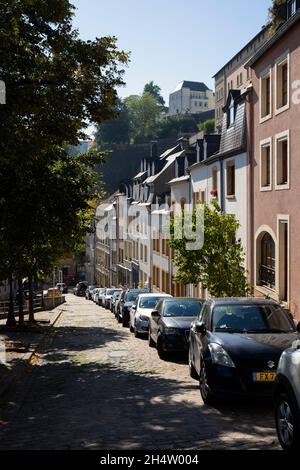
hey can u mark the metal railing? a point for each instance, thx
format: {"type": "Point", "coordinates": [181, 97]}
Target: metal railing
{"type": "Point", "coordinates": [4, 306]}
{"type": "Point", "coordinates": [267, 276]}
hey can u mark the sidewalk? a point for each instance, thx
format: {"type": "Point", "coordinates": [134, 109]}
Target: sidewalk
{"type": "Point", "coordinates": [22, 346]}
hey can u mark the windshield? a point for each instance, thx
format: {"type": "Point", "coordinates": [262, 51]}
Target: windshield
{"type": "Point", "coordinates": [116, 295]}
{"type": "Point", "coordinates": [251, 318]}
{"type": "Point", "coordinates": [149, 302]}
{"type": "Point", "coordinates": [102, 291]}
{"type": "Point", "coordinates": [182, 308]}
{"type": "Point", "coordinates": [131, 296]}
{"type": "Point", "coordinates": [110, 291]}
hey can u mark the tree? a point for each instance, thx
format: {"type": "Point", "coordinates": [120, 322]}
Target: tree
{"type": "Point", "coordinates": [116, 131]}
{"type": "Point", "coordinates": [56, 84]}
{"type": "Point", "coordinates": [219, 264]}
{"type": "Point", "coordinates": [173, 126]}
{"type": "Point", "coordinates": [144, 113]}
{"type": "Point", "coordinates": [155, 91]}
{"type": "Point", "coordinates": [207, 126]}
{"type": "Point", "coordinates": [277, 14]}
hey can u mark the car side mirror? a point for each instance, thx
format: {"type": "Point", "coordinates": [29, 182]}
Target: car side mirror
{"type": "Point", "coordinates": [155, 314]}
{"type": "Point", "coordinates": [298, 327]}
{"type": "Point", "coordinates": [133, 307]}
{"type": "Point", "coordinates": [200, 328]}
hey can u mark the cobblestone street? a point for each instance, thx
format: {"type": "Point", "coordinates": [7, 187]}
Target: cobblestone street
{"type": "Point", "coordinates": [95, 386]}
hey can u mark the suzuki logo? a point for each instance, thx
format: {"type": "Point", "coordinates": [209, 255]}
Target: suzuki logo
{"type": "Point", "coordinates": [271, 364]}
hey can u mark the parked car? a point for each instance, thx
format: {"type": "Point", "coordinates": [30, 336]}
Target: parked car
{"type": "Point", "coordinates": [235, 346]}
{"type": "Point", "coordinates": [287, 397]}
{"type": "Point", "coordinates": [116, 295]}
{"type": "Point", "coordinates": [89, 292]}
{"type": "Point", "coordinates": [80, 289]}
{"type": "Point", "coordinates": [101, 295]}
{"type": "Point", "coordinates": [141, 311]}
{"type": "Point", "coordinates": [62, 287]}
{"type": "Point", "coordinates": [54, 292]}
{"type": "Point", "coordinates": [108, 295]}
{"type": "Point", "coordinates": [127, 299]}
{"type": "Point", "coordinates": [95, 296]}
{"type": "Point", "coordinates": [170, 323]}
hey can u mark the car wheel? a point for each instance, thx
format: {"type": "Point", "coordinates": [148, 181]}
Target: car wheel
{"type": "Point", "coordinates": [136, 333]}
{"type": "Point", "coordinates": [193, 373]}
{"type": "Point", "coordinates": [162, 354]}
{"type": "Point", "coordinates": [150, 340]}
{"type": "Point", "coordinates": [205, 391]}
{"type": "Point", "coordinates": [125, 323]}
{"type": "Point", "coordinates": [287, 425]}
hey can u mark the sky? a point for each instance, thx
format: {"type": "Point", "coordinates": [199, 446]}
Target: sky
{"type": "Point", "coordinates": [172, 40]}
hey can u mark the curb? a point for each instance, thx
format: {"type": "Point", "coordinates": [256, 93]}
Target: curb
{"type": "Point", "coordinates": [19, 371]}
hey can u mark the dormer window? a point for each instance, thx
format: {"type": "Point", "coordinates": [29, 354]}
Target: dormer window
{"type": "Point", "coordinates": [231, 113]}
{"type": "Point", "coordinates": [292, 8]}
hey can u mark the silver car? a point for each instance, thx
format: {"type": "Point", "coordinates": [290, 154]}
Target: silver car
{"type": "Point", "coordinates": [108, 295]}
{"type": "Point", "coordinates": [141, 310]}
{"type": "Point", "coordinates": [287, 397]}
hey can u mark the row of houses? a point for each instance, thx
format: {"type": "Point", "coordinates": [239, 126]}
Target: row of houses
{"type": "Point", "coordinates": [251, 165]}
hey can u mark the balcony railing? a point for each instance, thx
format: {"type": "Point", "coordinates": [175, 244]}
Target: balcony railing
{"type": "Point", "coordinates": [267, 276]}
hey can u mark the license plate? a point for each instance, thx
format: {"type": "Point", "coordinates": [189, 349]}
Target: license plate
{"type": "Point", "coordinates": [264, 376]}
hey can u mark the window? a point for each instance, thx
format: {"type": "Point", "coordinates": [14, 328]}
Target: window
{"type": "Point", "coordinates": [282, 161]}
{"type": "Point", "coordinates": [265, 95]}
{"type": "Point", "coordinates": [230, 178]}
{"type": "Point", "coordinates": [267, 264]}
{"type": "Point", "coordinates": [282, 84]}
{"type": "Point", "coordinates": [265, 166]}
{"type": "Point", "coordinates": [241, 78]}
{"type": "Point", "coordinates": [215, 178]}
{"type": "Point", "coordinates": [292, 8]}
{"type": "Point", "coordinates": [231, 113]}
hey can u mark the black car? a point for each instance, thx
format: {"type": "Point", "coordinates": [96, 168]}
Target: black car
{"type": "Point", "coordinates": [127, 299]}
{"type": "Point", "coordinates": [80, 289]}
{"type": "Point", "coordinates": [235, 347]}
{"type": "Point", "coordinates": [170, 323]}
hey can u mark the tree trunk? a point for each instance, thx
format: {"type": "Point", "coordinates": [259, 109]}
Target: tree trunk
{"type": "Point", "coordinates": [31, 305]}
{"type": "Point", "coordinates": [20, 302]}
{"type": "Point", "coordinates": [11, 321]}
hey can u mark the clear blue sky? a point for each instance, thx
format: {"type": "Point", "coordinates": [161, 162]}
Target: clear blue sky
{"type": "Point", "coordinates": [172, 40]}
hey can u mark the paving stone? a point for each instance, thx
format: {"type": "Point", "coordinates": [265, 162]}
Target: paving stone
{"type": "Point", "coordinates": [97, 387]}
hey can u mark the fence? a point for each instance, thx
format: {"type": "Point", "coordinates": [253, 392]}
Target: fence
{"type": "Point", "coordinates": [39, 304]}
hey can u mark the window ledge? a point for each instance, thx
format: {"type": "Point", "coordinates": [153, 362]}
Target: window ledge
{"type": "Point", "coordinates": [267, 291]}
{"type": "Point", "coordinates": [231, 197]}
{"type": "Point", "coordinates": [281, 187]}
{"type": "Point", "coordinates": [282, 109]}
{"type": "Point", "coordinates": [265, 118]}
{"type": "Point", "coordinates": [265, 189]}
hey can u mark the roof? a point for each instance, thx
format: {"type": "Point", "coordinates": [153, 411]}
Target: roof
{"type": "Point", "coordinates": [241, 300]}
{"type": "Point", "coordinates": [169, 152]}
{"type": "Point", "coordinates": [169, 162]}
{"type": "Point", "coordinates": [279, 33]}
{"type": "Point", "coordinates": [158, 294]}
{"type": "Point", "coordinates": [139, 175]}
{"type": "Point", "coordinates": [181, 179]}
{"type": "Point", "coordinates": [263, 30]}
{"type": "Point", "coordinates": [193, 86]}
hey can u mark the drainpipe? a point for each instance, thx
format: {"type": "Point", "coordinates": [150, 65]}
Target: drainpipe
{"type": "Point", "coordinates": [222, 185]}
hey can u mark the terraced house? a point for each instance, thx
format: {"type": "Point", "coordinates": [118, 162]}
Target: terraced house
{"type": "Point", "coordinates": [274, 250]}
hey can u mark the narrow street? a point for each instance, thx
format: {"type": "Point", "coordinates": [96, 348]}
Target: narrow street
{"type": "Point", "coordinates": [97, 387]}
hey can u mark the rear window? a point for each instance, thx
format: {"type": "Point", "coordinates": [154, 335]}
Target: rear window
{"type": "Point", "coordinates": [182, 308]}
{"type": "Point", "coordinates": [150, 302]}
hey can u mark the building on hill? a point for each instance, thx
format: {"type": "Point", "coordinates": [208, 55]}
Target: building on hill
{"type": "Point", "coordinates": [191, 98]}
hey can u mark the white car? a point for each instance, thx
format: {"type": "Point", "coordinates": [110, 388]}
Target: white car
{"type": "Point", "coordinates": [101, 295]}
{"type": "Point", "coordinates": [108, 295]}
{"type": "Point", "coordinates": [141, 310]}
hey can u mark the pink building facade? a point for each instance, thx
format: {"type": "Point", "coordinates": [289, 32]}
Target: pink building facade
{"type": "Point", "coordinates": [274, 170]}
